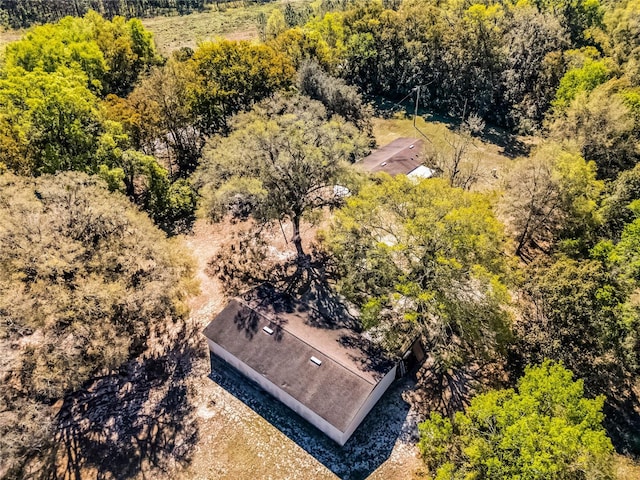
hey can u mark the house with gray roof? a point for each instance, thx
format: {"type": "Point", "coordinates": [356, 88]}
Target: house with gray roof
{"type": "Point", "coordinates": [403, 156]}
{"type": "Point", "coordinates": [327, 373]}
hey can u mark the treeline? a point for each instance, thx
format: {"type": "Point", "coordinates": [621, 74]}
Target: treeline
{"type": "Point", "coordinates": [501, 60]}
{"type": "Point", "coordinates": [24, 13]}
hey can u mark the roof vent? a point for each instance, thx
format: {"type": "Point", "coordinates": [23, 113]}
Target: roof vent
{"type": "Point", "coordinates": [315, 360]}
{"type": "Point", "coordinates": [267, 330]}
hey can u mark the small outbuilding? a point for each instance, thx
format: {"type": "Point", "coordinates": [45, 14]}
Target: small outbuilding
{"type": "Point", "coordinates": [329, 374]}
{"type": "Point", "coordinates": [403, 156]}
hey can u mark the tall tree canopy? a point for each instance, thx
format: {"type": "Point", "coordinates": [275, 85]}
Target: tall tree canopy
{"type": "Point", "coordinates": [231, 76]}
{"type": "Point", "coordinates": [502, 60]}
{"type": "Point", "coordinates": [580, 312]}
{"type": "Point", "coordinates": [86, 279]}
{"type": "Point", "coordinates": [282, 161]}
{"type": "Point", "coordinates": [112, 54]}
{"type": "Point", "coordinates": [425, 257]}
{"type": "Point", "coordinates": [545, 429]}
{"type": "Point", "coordinates": [50, 122]}
{"type": "Point", "coordinates": [603, 126]}
{"type": "Point", "coordinates": [195, 94]}
{"type": "Point", "coordinates": [52, 118]}
{"type": "Point", "coordinates": [549, 197]}
{"type": "Point", "coordinates": [337, 97]}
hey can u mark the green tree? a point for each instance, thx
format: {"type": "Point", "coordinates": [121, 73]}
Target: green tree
{"type": "Point", "coordinates": [546, 429]}
{"type": "Point", "coordinates": [112, 54]}
{"type": "Point", "coordinates": [577, 312]}
{"type": "Point", "coordinates": [231, 76]}
{"type": "Point", "coordinates": [128, 49]}
{"type": "Point", "coordinates": [617, 206]}
{"type": "Point", "coordinates": [534, 42]}
{"type": "Point", "coordinates": [602, 126]}
{"type": "Point", "coordinates": [171, 205]}
{"type": "Point", "coordinates": [477, 59]}
{"type": "Point", "coordinates": [86, 280]}
{"type": "Point", "coordinates": [163, 101]}
{"type": "Point", "coordinates": [376, 44]}
{"type": "Point", "coordinates": [551, 196]}
{"type": "Point", "coordinates": [581, 18]}
{"type": "Point", "coordinates": [580, 79]}
{"type": "Point", "coordinates": [280, 162]}
{"type": "Point", "coordinates": [428, 258]}
{"type": "Point", "coordinates": [276, 24]}
{"type": "Point", "coordinates": [331, 31]}
{"type": "Point", "coordinates": [298, 44]}
{"type": "Point", "coordinates": [623, 31]}
{"type": "Point", "coordinates": [51, 121]}
{"type": "Point", "coordinates": [337, 97]}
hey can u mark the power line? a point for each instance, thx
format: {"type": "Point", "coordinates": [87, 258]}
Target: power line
{"type": "Point", "coordinates": [415, 113]}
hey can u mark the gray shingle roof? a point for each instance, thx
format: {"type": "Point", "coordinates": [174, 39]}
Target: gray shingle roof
{"type": "Point", "coordinates": [335, 390]}
{"type": "Point", "coordinates": [398, 157]}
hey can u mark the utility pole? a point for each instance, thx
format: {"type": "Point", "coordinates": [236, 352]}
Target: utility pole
{"type": "Point", "coordinates": [415, 112]}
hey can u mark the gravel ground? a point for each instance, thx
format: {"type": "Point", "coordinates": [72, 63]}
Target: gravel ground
{"type": "Point", "coordinates": [246, 434]}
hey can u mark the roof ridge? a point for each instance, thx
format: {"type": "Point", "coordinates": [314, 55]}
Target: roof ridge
{"type": "Point", "coordinates": [267, 317]}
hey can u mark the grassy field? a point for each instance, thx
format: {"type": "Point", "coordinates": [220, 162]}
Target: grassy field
{"type": "Point", "coordinates": [8, 36]}
{"type": "Point", "coordinates": [493, 151]}
{"type": "Point", "coordinates": [236, 23]}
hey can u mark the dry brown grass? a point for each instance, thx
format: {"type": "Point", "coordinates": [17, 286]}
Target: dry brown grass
{"type": "Point", "coordinates": [8, 36]}
{"type": "Point", "coordinates": [235, 23]}
{"type": "Point", "coordinates": [626, 469]}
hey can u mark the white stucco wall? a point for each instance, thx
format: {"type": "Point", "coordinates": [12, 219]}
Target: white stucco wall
{"type": "Point", "coordinates": [369, 404]}
{"type": "Point", "coordinates": [313, 418]}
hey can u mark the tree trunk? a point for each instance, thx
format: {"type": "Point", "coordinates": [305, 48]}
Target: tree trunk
{"type": "Point", "coordinates": [297, 240]}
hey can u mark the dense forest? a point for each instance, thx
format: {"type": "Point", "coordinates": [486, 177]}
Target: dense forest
{"type": "Point", "coordinates": [109, 152]}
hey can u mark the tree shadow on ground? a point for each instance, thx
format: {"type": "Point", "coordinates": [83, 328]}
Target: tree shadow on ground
{"type": "Point", "coordinates": [448, 392]}
{"type": "Point", "coordinates": [247, 262]}
{"type": "Point", "coordinates": [138, 421]}
{"type": "Point", "coordinates": [622, 422]}
{"type": "Point", "coordinates": [390, 422]}
{"type": "Point", "coordinates": [510, 145]}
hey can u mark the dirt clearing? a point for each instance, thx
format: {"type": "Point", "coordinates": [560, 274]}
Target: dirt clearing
{"type": "Point", "coordinates": [245, 434]}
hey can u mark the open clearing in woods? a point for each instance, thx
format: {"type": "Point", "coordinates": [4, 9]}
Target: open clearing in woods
{"type": "Point", "coordinates": [245, 434]}
{"type": "Point", "coordinates": [494, 149]}
{"type": "Point", "coordinates": [232, 22]}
